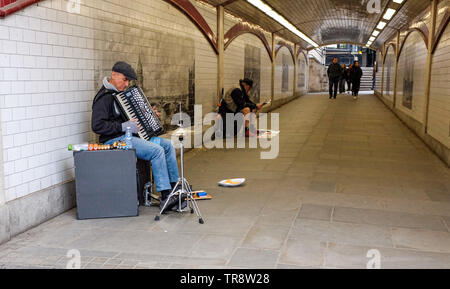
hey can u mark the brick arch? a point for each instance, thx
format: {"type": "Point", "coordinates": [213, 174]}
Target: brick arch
{"type": "Point", "coordinates": [14, 6]}
{"type": "Point", "coordinates": [197, 19]}
{"type": "Point", "coordinates": [386, 51]}
{"type": "Point", "coordinates": [282, 44]}
{"type": "Point", "coordinates": [411, 31]}
{"type": "Point", "coordinates": [382, 54]}
{"type": "Point", "coordinates": [300, 51]}
{"type": "Point", "coordinates": [242, 28]}
{"type": "Point", "coordinates": [441, 30]}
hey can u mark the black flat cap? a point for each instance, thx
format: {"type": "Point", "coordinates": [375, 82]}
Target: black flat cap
{"type": "Point", "coordinates": [248, 81]}
{"type": "Point", "coordinates": [125, 69]}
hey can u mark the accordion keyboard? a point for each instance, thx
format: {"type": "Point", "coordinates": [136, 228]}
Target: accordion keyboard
{"type": "Point", "coordinates": [135, 105]}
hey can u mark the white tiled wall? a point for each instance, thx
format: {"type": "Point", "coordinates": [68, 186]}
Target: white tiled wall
{"type": "Point", "coordinates": [389, 74]}
{"type": "Point", "coordinates": [439, 106]}
{"type": "Point", "coordinates": [443, 6]}
{"type": "Point", "coordinates": [414, 53]}
{"type": "Point", "coordinates": [279, 94]}
{"type": "Point", "coordinates": [51, 65]}
{"type": "Point", "coordinates": [379, 76]}
{"type": "Point", "coordinates": [302, 62]}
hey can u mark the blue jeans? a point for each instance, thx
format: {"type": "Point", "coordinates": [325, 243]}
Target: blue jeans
{"type": "Point", "coordinates": [334, 83]}
{"type": "Point", "coordinates": [162, 155]}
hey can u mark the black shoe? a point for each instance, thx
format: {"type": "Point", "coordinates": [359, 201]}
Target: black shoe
{"type": "Point", "coordinates": [183, 204]}
{"type": "Point", "coordinates": [172, 202]}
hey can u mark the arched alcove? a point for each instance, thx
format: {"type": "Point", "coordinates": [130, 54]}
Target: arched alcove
{"type": "Point", "coordinates": [411, 83]}
{"type": "Point", "coordinates": [439, 102]}
{"type": "Point", "coordinates": [389, 73]}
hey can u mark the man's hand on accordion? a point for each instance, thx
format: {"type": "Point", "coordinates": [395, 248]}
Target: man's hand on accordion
{"type": "Point", "coordinates": [133, 124]}
{"type": "Point", "coordinates": [156, 111]}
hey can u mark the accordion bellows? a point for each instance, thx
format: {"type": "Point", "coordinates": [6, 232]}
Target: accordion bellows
{"type": "Point", "coordinates": [134, 104]}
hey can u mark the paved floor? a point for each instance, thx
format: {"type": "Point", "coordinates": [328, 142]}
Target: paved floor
{"type": "Point", "coordinates": [350, 177]}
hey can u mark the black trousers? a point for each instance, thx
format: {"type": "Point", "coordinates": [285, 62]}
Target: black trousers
{"type": "Point", "coordinates": [349, 85]}
{"type": "Point", "coordinates": [342, 85]}
{"type": "Point", "coordinates": [334, 83]}
{"type": "Point", "coordinates": [237, 125]}
{"type": "Point", "coordinates": [356, 86]}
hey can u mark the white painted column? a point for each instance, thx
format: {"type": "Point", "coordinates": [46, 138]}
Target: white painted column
{"type": "Point", "coordinates": [2, 177]}
{"type": "Point", "coordinates": [431, 37]}
{"type": "Point", "coordinates": [273, 69]}
{"type": "Point", "coordinates": [220, 55]}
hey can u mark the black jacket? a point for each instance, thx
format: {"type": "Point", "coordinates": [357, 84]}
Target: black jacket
{"type": "Point", "coordinates": [247, 100]}
{"type": "Point", "coordinates": [348, 73]}
{"type": "Point", "coordinates": [356, 74]}
{"type": "Point", "coordinates": [334, 71]}
{"type": "Point", "coordinates": [106, 116]}
{"type": "Point", "coordinates": [239, 99]}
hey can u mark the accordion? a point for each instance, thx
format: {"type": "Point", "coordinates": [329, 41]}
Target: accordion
{"type": "Point", "coordinates": [134, 104]}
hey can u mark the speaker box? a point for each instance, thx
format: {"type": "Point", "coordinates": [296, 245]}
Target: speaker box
{"type": "Point", "coordinates": [106, 184]}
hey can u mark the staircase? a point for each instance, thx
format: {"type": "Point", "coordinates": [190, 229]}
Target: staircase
{"type": "Point", "coordinates": [366, 80]}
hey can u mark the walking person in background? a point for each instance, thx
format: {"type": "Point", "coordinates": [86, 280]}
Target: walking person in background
{"type": "Point", "coordinates": [356, 79]}
{"type": "Point", "coordinates": [343, 79]}
{"type": "Point", "coordinates": [334, 75]}
{"type": "Point", "coordinates": [348, 73]}
{"type": "Point", "coordinates": [374, 74]}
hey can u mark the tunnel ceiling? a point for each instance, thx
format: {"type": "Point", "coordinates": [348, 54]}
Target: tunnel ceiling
{"type": "Point", "coordinates": [327, 21]}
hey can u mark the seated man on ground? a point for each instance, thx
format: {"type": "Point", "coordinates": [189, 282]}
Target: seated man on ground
{"type": "Point", "coordinates": [251, 98]}
{"type": "Point", "coordinates": [111, 124]}
{"type": "Point", "coordinates": [236, 101]}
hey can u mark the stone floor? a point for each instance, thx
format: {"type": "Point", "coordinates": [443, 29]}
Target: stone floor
{"type": "Point", "coordinates": [350, 177]}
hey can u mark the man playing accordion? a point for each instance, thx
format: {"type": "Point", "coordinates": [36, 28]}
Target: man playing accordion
{"type": "Point", "coordinates": [110, 124]}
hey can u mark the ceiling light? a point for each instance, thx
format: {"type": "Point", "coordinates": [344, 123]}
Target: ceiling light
{"type": "Point", "coordinates": [389, 13]}
{"type": "Point", "coordinates": [381, 25]}
{"type": "Point", "coordinates": [376, 33]}
{"type": "Point", "coordinates": [398, 1]}
{"type": "Point", "coordinates": [280, 19]}
{"type": "Point", "coordinates": [372, 39]}
{"type": "Point", "coordinates": [260, 5]}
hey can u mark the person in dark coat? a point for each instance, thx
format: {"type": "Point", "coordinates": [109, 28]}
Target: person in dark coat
{"type": "Point", "coordinates": [374, 74]}
{"type": "Point", "coordinates": [246, 85]}
{"type": "Point", "coordinates": [236, 101]}
{"type": "Point", "coordinates": [342, 80]}
{"type": "Point", "coordinates": [110, 124]}
{"type": "Point", "coordinates": [334, 75]}
{"type": "Point", "coordinates": [348, 73]}
{"type": "Point", "coordinates": [356, 79]}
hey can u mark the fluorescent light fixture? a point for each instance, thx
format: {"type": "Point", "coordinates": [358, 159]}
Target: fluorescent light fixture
{"type": "Point", "coordinates": [372, 39]}
{"type": "Point", "coordinates": [260, 5]}
{"type": "Point", "coordinates": [280, 19]}
{"type": "Point", "coordinates": [389, 13]}
{"type": "Point", "coordinates": [381, 25]}
{"type": "Point", "coordinates": [376, 33]}
{"type": "Point", "coordinates": [398, 1]}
